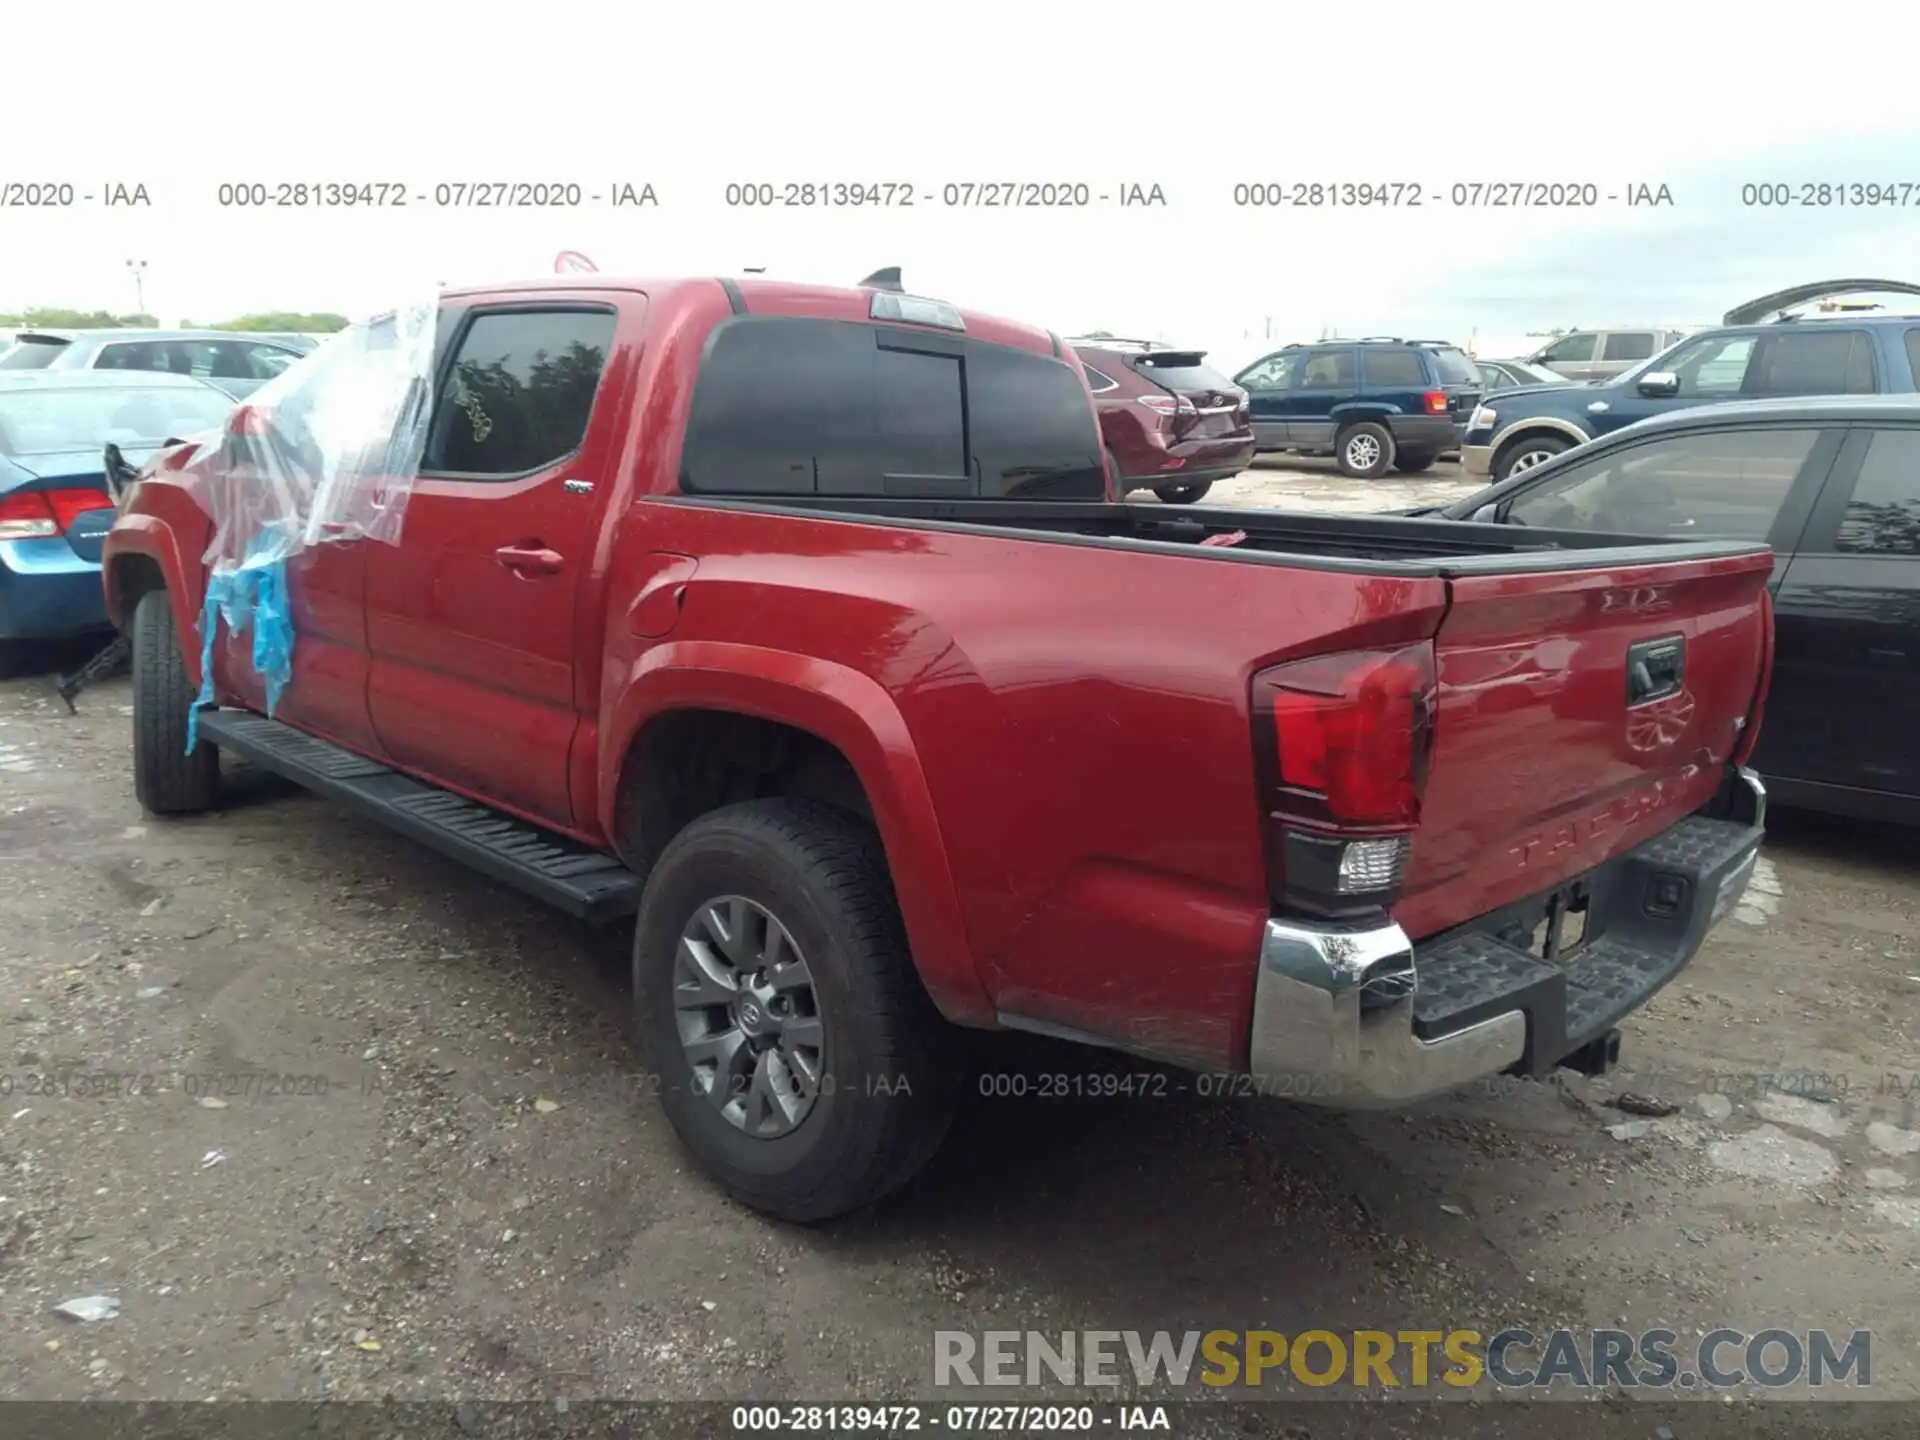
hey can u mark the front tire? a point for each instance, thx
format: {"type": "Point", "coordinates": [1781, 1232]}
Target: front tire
{"type": "Point", "coordinates": [799, 1059]}
{"type": "Point", "coordinates": [1183, 494]}
{"type": "Point", "coordinates": [1121, 486]}
{"type": "Point", "coordinates": [166, 779]}
{"type": "Point", "coordinates": [1364, 451]}
{"type": "Point", "coordinates": [1527, 452]}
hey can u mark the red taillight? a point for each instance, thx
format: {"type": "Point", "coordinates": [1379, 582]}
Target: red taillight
{"type": "Point", "coordinates": [1436, 402]}
{"type": "Point", "coordinates": [37, 514]}
{"type": "Point", "coordinates": [1342, 743]}
{"type": "Point", "coordinates": [1169, 404]}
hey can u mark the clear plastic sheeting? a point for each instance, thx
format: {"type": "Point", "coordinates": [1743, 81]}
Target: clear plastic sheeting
{"type": "Point", "coordinates": [325, 453]}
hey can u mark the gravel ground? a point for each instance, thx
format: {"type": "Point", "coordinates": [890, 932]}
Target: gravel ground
{"type": "Point", "coordinates": [337, 1118]}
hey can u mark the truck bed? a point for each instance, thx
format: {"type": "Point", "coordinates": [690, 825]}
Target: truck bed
{"type": "Point", "coordinates": [1363, 544]}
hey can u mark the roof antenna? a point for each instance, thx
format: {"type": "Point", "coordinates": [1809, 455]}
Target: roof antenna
{"type": "Point", "coordinates": [887, 279]}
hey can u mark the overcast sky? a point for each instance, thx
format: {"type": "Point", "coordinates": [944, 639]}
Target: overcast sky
{"type": "Point", "coordinates": [1194, 100]}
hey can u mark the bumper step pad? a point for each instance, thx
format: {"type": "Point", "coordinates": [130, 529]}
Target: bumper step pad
{"type": "Point", "coordinates": [1650, 909]}
{"type": "Point", "coordinates": [562, 872]}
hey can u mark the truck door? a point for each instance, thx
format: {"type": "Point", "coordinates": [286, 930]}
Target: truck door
{"type": "Point", "coordinates": [472, 619]}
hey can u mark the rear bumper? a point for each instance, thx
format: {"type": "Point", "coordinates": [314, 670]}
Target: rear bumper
{"type": "Point", "coordinates": [47, 592]}
{"type": "Point", "coordinates": [1425, 434]}
{"type": "Point", "coordinates": [1358, 1019]}
{"type": "Point", "coordinates": [1210, 459]}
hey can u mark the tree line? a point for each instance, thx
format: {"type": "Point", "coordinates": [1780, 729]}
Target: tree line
{"type": "Point", "coordinates": [318, 322]}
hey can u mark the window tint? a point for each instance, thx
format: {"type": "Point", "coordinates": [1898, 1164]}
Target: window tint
{"type": "Point", "coordinates": [1570, 349]}
{"type": "Point", "coordinates": [802, 407]}
{"type": "Point", "coordinates": [1033, 432]}
{"type": "Point", "coordinates": [1883, 515]}
{"type": "Point", "coordinates": [1824, 362]}
{"type": "Point", "coordinates": [1098, 380]}
{"type": "Point", "coordinates": [1713, 365]}
{"type": "Point", "coordinates": [520, 391]}
{"type": "Point", "coordinates": [1328, 370]}
{"type": "Point", "coordinates": [1628, 345]}
{"type": "Point", "coordinates": [1453, 366]}
{"type": "Point", "coordinates": [1913, 355]}
{"type": "Point", "coordinates": [202, 359]}
{"type": "Point", "coordinates": [1399, 368]}
{"type": "Point", "coordinates": [1727, 485]}
{"type": "Point", "coordinates": [1182, 374]}
{"type": "Point", "coordinates": [1276, 372]}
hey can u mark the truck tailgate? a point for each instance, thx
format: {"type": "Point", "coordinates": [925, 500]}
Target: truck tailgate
{"type": "Point", "coordinates": [1579, 713]}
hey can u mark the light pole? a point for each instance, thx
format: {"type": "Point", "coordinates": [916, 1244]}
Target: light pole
{"type": "Point", "coordinates": [139, 269]}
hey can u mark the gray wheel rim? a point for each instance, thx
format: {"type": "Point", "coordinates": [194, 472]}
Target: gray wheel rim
{"type": "Point", "coordinates": [748, 1016]}
{"type": "Point", "coordinates": [1363, 452]}
{"type": "Point", "coordinates": [1527, 459]}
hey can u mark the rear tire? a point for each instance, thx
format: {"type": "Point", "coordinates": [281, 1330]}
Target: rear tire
{"type": "Point", "coordinates": [1364, 451]}
{"type": "Point", "coordinates": [1183, 494]}
{"type": "Point", "coordinates": [1414, 464]}
{"type": "Point", "coordinates": [166, 779]}
{"type": "Point", "coordinates": [1527, 452]}
{"type": "Point", "coordinates": [886, 1068]}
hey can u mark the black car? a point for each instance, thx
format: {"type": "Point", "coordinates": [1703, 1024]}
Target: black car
{"type": "Point", "coordinates": [1833, 485]}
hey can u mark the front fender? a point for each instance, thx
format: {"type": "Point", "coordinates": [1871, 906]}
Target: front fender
{"type": "Point", "coordinates": [150, 538]}
{"type": "Point", "coordinates": [1565, 428]}
{"type": "Point", "coordinates": [852, 712]}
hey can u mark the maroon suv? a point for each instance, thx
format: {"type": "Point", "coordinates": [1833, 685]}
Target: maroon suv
{"type": "Point", "coordinates": [1170, 423]}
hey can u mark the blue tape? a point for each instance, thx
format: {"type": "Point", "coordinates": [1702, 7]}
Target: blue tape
{"type": "Point", "coordinates": [254, 596]}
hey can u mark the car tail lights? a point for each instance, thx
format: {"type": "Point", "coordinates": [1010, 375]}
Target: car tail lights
{"type": "Point", "coordinates": [1342, 745]}
{"type": "Point", "coordinates": [1436, 402]}
{"type": "Point", "coordinates": [1178, 405]}
{"type": "Point", "coordinates": [38, 514]}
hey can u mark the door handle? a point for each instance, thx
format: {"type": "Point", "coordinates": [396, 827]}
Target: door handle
{"type": "Point", "coordinates": [529, 559]}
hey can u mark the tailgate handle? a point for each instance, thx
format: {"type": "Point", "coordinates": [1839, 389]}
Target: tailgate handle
{"type": "Point", "coordinates": [1655, 669]}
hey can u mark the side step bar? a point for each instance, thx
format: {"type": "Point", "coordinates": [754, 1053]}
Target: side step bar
{"type": "Point", "coordinates": [550, 867]}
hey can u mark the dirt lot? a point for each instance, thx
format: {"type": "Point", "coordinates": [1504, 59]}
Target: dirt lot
{"type": "Point", "coordinates": [333, 1117]}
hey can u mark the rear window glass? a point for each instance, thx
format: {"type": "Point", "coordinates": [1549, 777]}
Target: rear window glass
{"type": "Point", "coordinates": [1183, 375]}
{"type": "Point", "coordinates": [31, 354]}
{"type": "Point", "coordinates": [788, 406]}
{"type": "Point", "coordinates": [1392, 367]}
{"type": "Point", "coordinates": [1453, 366]}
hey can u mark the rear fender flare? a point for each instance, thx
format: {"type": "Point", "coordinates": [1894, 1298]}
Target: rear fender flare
{"type": "Point", "coordinates": [853, 713]}
{"type": "Point", "coordinates": [1344, 415]}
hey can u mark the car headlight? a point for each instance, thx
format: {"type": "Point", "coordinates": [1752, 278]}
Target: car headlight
{"type": "Point", "coordinates": [1483, 418]}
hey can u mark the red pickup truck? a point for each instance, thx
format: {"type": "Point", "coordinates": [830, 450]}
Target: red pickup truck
{"type": "Point", "coordinates": [797, 622]}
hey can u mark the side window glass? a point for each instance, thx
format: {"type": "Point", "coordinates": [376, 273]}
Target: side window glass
{"type": "Point", "coordinates": [1727, 485]}
{"type": "Point", "coordinates": [1396, 369]}
{"type": "Point", "coordinates": [1570, 349]}
{"type": "Point", "coordinates": [1276, 372]}
{"type": "Point", "coordinates": [1716, 365]}
{"type": "Point", "coordinates": [1329, 370]}
{"type": "Point", "coordinates": [1913, 354]}
{"type": "Point", "coordinates": [132, 355]}
{"type": "Point", "coordinates": [1824, 362]}
{"type": "Point", "coordinates": [1098, 380]}
{"type": "Point", "coordinates": [1883, 513]}
{"type": "Point", "coordinates": [1628, 345]}
{"type": "Point", "coordinates": [520, 391]}
{"type": "Point", "coordinates": [1034, 435]}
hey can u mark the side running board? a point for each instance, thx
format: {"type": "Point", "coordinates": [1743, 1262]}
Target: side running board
{"type": "Point", "coordinates": [550, 867]}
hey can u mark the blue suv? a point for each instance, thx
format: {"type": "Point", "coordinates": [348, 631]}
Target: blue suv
{"type": "Point", "coordinates": [1845, 353]}
{"type": "Point", "coordinates": [1374, 405]}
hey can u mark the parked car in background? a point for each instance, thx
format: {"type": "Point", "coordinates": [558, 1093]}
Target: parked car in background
{"type": "Point", "coordinates": [1497, 375]}
{"type": "Point", "coordinates": [1833, 485]}
{"type": "Point", "coordinates": [238, 362]}
{"type": "Point", "coordinates": [1602, 354]}
{"type": "Point", "coordinates": [54, 505]}
{"type": "Point", "coordinates": [802, 631]}
{"type": "Point", "coordinates": [1842, 354]}
{"type": "Point", "coordinates": [1170, 422]}
{"type": "Point", "coordinates": [1374, 405]}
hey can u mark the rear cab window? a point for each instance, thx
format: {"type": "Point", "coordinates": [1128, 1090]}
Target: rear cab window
{"type": "Point", "coordinates": [801, 406]}
{"type": "Point", "coordinates": [1814, 362]}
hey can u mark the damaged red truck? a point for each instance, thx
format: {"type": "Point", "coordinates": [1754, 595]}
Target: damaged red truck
{"type": "Point", "coordinates": [797, 622]}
